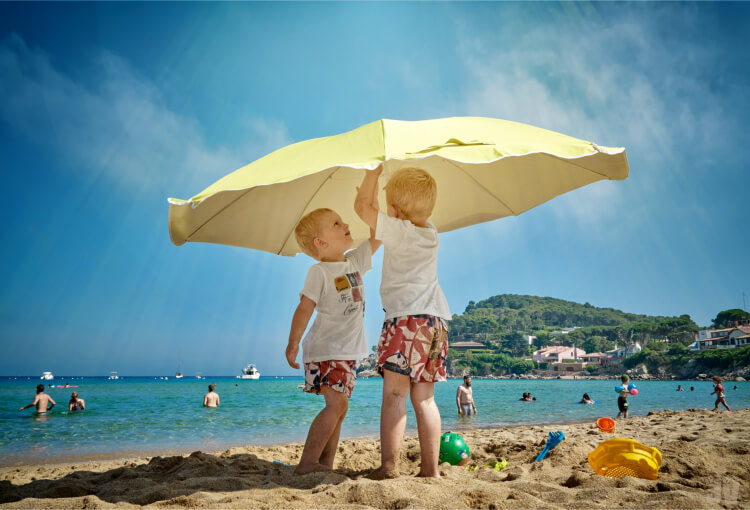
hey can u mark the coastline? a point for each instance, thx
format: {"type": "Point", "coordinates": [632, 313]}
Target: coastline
{"type": "Point", "coordinates": [705, 465]}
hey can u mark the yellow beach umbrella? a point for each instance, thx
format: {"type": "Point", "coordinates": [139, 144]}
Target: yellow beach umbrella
{"type": "Point", "coordinates": [485, 169]}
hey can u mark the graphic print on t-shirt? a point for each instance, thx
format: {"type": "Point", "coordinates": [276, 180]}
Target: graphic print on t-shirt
{"type": "Point", "coordinates": [350, 288]}
{"type": "Point", "coordinates": [341, 282]}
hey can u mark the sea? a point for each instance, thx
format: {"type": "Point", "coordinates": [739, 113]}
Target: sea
{"type": "Point", "coordinates": [143, 416]}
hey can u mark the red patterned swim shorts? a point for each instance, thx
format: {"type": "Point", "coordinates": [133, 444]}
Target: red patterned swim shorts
{"type": "Point", "coordinates": [414, 345]}
{"type": "Point", "coordinates": [336, 374]}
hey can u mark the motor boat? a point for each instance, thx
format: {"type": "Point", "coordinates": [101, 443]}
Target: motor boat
{"type": "Point", "coordinates": [113, 375]}
{"type": "Point", "coordinates": [47, 376]}
{"type": "Point", "coordinates": [249, 372]}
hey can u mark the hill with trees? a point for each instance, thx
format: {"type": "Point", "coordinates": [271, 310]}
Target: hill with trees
{"type": "Point", "coordinates": [500, 323]}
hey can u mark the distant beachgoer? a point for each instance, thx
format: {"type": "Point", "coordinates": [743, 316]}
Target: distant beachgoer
{"type": "Point", "coordinates": [692, 388]}
{"type": "Point", "coordinates": [719, 391]}
{"type": "Point", "coordinates": [335, 290]}
{"type": "Point", "coordinates": [622, 400]}
{"type": "Point", "coordinates": [75, 403]}
{"type": "Point", "coordinates": [734, 387]}
{"type": "Point", "coordinates": [586, 399]}
{"type": "Point", "coordinates": [465, 398]}
{"type": "Point", "coordinates": [679, 387]}
{"type": "Point", "coordinates": [67, 385]}
{"type": "Point", "coordinates": [526, 397]}
{"type": "Point", "coordinates": [40, 401]}
{"type": "Point", "coordinates": [211, 399]}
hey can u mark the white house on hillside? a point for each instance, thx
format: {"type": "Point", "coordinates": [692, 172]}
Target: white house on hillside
{"type": "Point", "coordinates": [616, 354]}
{"type": "Point", "coordinates": [730, 338]}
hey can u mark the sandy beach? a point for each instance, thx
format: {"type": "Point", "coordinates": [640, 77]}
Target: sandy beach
{"type": "Point", "coordinates": [706, 465]}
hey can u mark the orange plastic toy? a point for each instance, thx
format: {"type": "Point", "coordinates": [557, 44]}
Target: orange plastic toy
{"type": "Point", "coordinates": [606, 425]}
{"type": "Point", "coordinates": [624, 457]}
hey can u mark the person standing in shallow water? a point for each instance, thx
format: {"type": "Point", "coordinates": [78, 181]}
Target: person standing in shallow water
{"type": "Point", "coordinates": [75, 403]}
{"type": "Point", "coordinates": [465, 398]}
{"type": "Point", "coordinates": [719, 392]}
{"type": "Point", "coordinates": [40, 401]}
{"type": "Point", "coordinates": [211, 399]}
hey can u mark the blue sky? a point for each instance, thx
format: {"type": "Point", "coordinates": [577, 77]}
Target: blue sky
{"type": "Point", "coordinates": [110, 108]}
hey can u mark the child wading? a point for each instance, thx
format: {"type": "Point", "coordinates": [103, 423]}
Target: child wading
{"type": "Point", "coordinates": [719, 391]}
{"type": "Point", "coordinates": [622, 400]}
{"type": "Point", "coordinates": [336, 339]}
{"type": "Point", "coordinates": [413, 343]}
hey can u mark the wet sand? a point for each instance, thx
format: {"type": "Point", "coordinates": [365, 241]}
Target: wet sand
{"type": "Point", "coordinates": [705, 465]}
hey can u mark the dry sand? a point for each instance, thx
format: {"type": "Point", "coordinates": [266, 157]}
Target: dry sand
{"type": "Point", "coordinates": [706, 465]}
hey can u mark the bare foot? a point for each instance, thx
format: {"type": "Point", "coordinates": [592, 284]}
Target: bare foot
{"type": "Point", "coordinates": [435, 474]}
{"type": "Point", "coordinates": [312, 468]}
{"type": "Point", "coordinates": [383, 474]}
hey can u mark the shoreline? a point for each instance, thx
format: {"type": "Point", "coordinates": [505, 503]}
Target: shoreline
{"type": "Point", "coordinates": [129, 454]}
{"type": "Point", "coordinates": [705, 465]}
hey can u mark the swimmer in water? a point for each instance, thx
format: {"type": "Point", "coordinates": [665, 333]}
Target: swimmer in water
{"type": "Point", "coordinates": [75, 403]}
{"type": "Point", "coordinates": [586, 399]}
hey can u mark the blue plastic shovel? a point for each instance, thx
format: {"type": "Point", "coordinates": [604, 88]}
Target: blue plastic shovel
{"type": "Point", "coordinates": [553, 440]}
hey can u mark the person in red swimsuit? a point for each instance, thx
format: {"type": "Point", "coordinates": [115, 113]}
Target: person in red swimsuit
{"type": "Point", "coordinates": [719, 391]}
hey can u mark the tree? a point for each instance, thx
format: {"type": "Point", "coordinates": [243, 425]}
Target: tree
{"type": "Point", "coordinates": [516, 344]}
{"type": "Point", "coordinates": [727, 318]}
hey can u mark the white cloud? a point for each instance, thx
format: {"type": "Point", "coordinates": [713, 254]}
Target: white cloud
{"type": "Point", "coordinates": [118, 124]}
{"type": "Point", "coordinates": [616, 85]}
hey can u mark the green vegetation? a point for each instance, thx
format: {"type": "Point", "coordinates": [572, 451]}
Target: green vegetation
{"type": "Point", "coordinates": [727, 318]}
{"type": "Point", "coordinates": [500, 323]}
{"type": "Point", "coordinates": [677, 355]}
{"type": "Point", "coordinates": [486, 364]}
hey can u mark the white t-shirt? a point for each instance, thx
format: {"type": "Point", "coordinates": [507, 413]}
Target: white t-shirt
{"type": "Point", "coordinates": [409, 284]}
{"type": "Point", "coordinates": [338, 332]}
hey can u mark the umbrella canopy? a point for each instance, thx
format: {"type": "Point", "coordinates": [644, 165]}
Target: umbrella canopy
{"type": "Point", "coordinates": [485, 169]}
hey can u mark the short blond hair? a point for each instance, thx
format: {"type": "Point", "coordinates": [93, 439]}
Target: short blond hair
{"type": "Point", "coordinates": [308, 229]}
{"type": "Point", "coordinates": [413, 191]}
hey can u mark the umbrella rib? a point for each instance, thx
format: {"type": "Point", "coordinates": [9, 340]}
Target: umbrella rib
{"type": "Point", "coordinates": [218, 212]}
{"type": "Point", "coordinates": [303, 210]}
{"type": "Point", "coordinates": [483, 187]}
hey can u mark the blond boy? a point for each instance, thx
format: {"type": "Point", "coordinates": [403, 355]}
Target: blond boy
{"type": "Point", "coordinates": [334, 289]}
{"type": "Point", "coordinates": [413, 345]}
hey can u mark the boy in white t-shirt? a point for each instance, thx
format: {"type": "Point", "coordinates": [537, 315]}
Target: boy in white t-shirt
{"type": "Point", "coordinates": [336, 339]}
{"type": "Point", "coordinates": [413, 345]}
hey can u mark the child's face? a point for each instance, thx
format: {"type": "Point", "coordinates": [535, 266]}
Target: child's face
{"type": "Point", "coordinates": [335, 234]}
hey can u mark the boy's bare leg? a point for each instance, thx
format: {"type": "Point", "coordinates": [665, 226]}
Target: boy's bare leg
{"type": "Point", "coordinates": [428, 427]}
{"type": "Point", "coordinates": [321, 431]}
{"type": "Point", "coordinates": [392, 423]}
{"type": "Point", "coordinates": [329, 451]}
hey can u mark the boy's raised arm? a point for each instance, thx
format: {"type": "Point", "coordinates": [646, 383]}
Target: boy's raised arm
{"type": "Point", "coordinates": [301, 317]}
{"type": "Point", "coordinates": [366, 203]}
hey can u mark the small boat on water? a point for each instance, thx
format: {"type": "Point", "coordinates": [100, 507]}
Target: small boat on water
{"type": "Point", "coordinates": [179, 375]}
{"type": "Point", "coordinates": [249, 372]}
{"type": "Point", "coordinates": [113, 375]}
{"type": "Point", "coordinates": [47, 376]}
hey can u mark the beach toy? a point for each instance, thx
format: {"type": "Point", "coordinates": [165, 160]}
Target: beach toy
{"type": "Point", "coordinates": [606, 425]}
{"type": "Point", "coordinates": [630, 388]}
{"type": "Point", "coordinates": [553, 440]}
{"type": "Point", "coordinates": [281, 463]}
{"type": "Point", "coordinates": [634, 392]}
{"type": "Point", "coordinates": [497, 466]}
{"type": "Point", "coordinates": [453, 450]}
{"type": "Point", "coordinates": [624, 457]}
{"type": "Point", "coordinates": [595, 402]}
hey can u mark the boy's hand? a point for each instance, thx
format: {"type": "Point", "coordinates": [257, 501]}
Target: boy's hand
{"type": "Point", "coordinates": [291, 355]}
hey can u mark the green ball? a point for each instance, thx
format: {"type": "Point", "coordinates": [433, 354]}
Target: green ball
{"type": "Point", "coordinates": [453, 450]}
